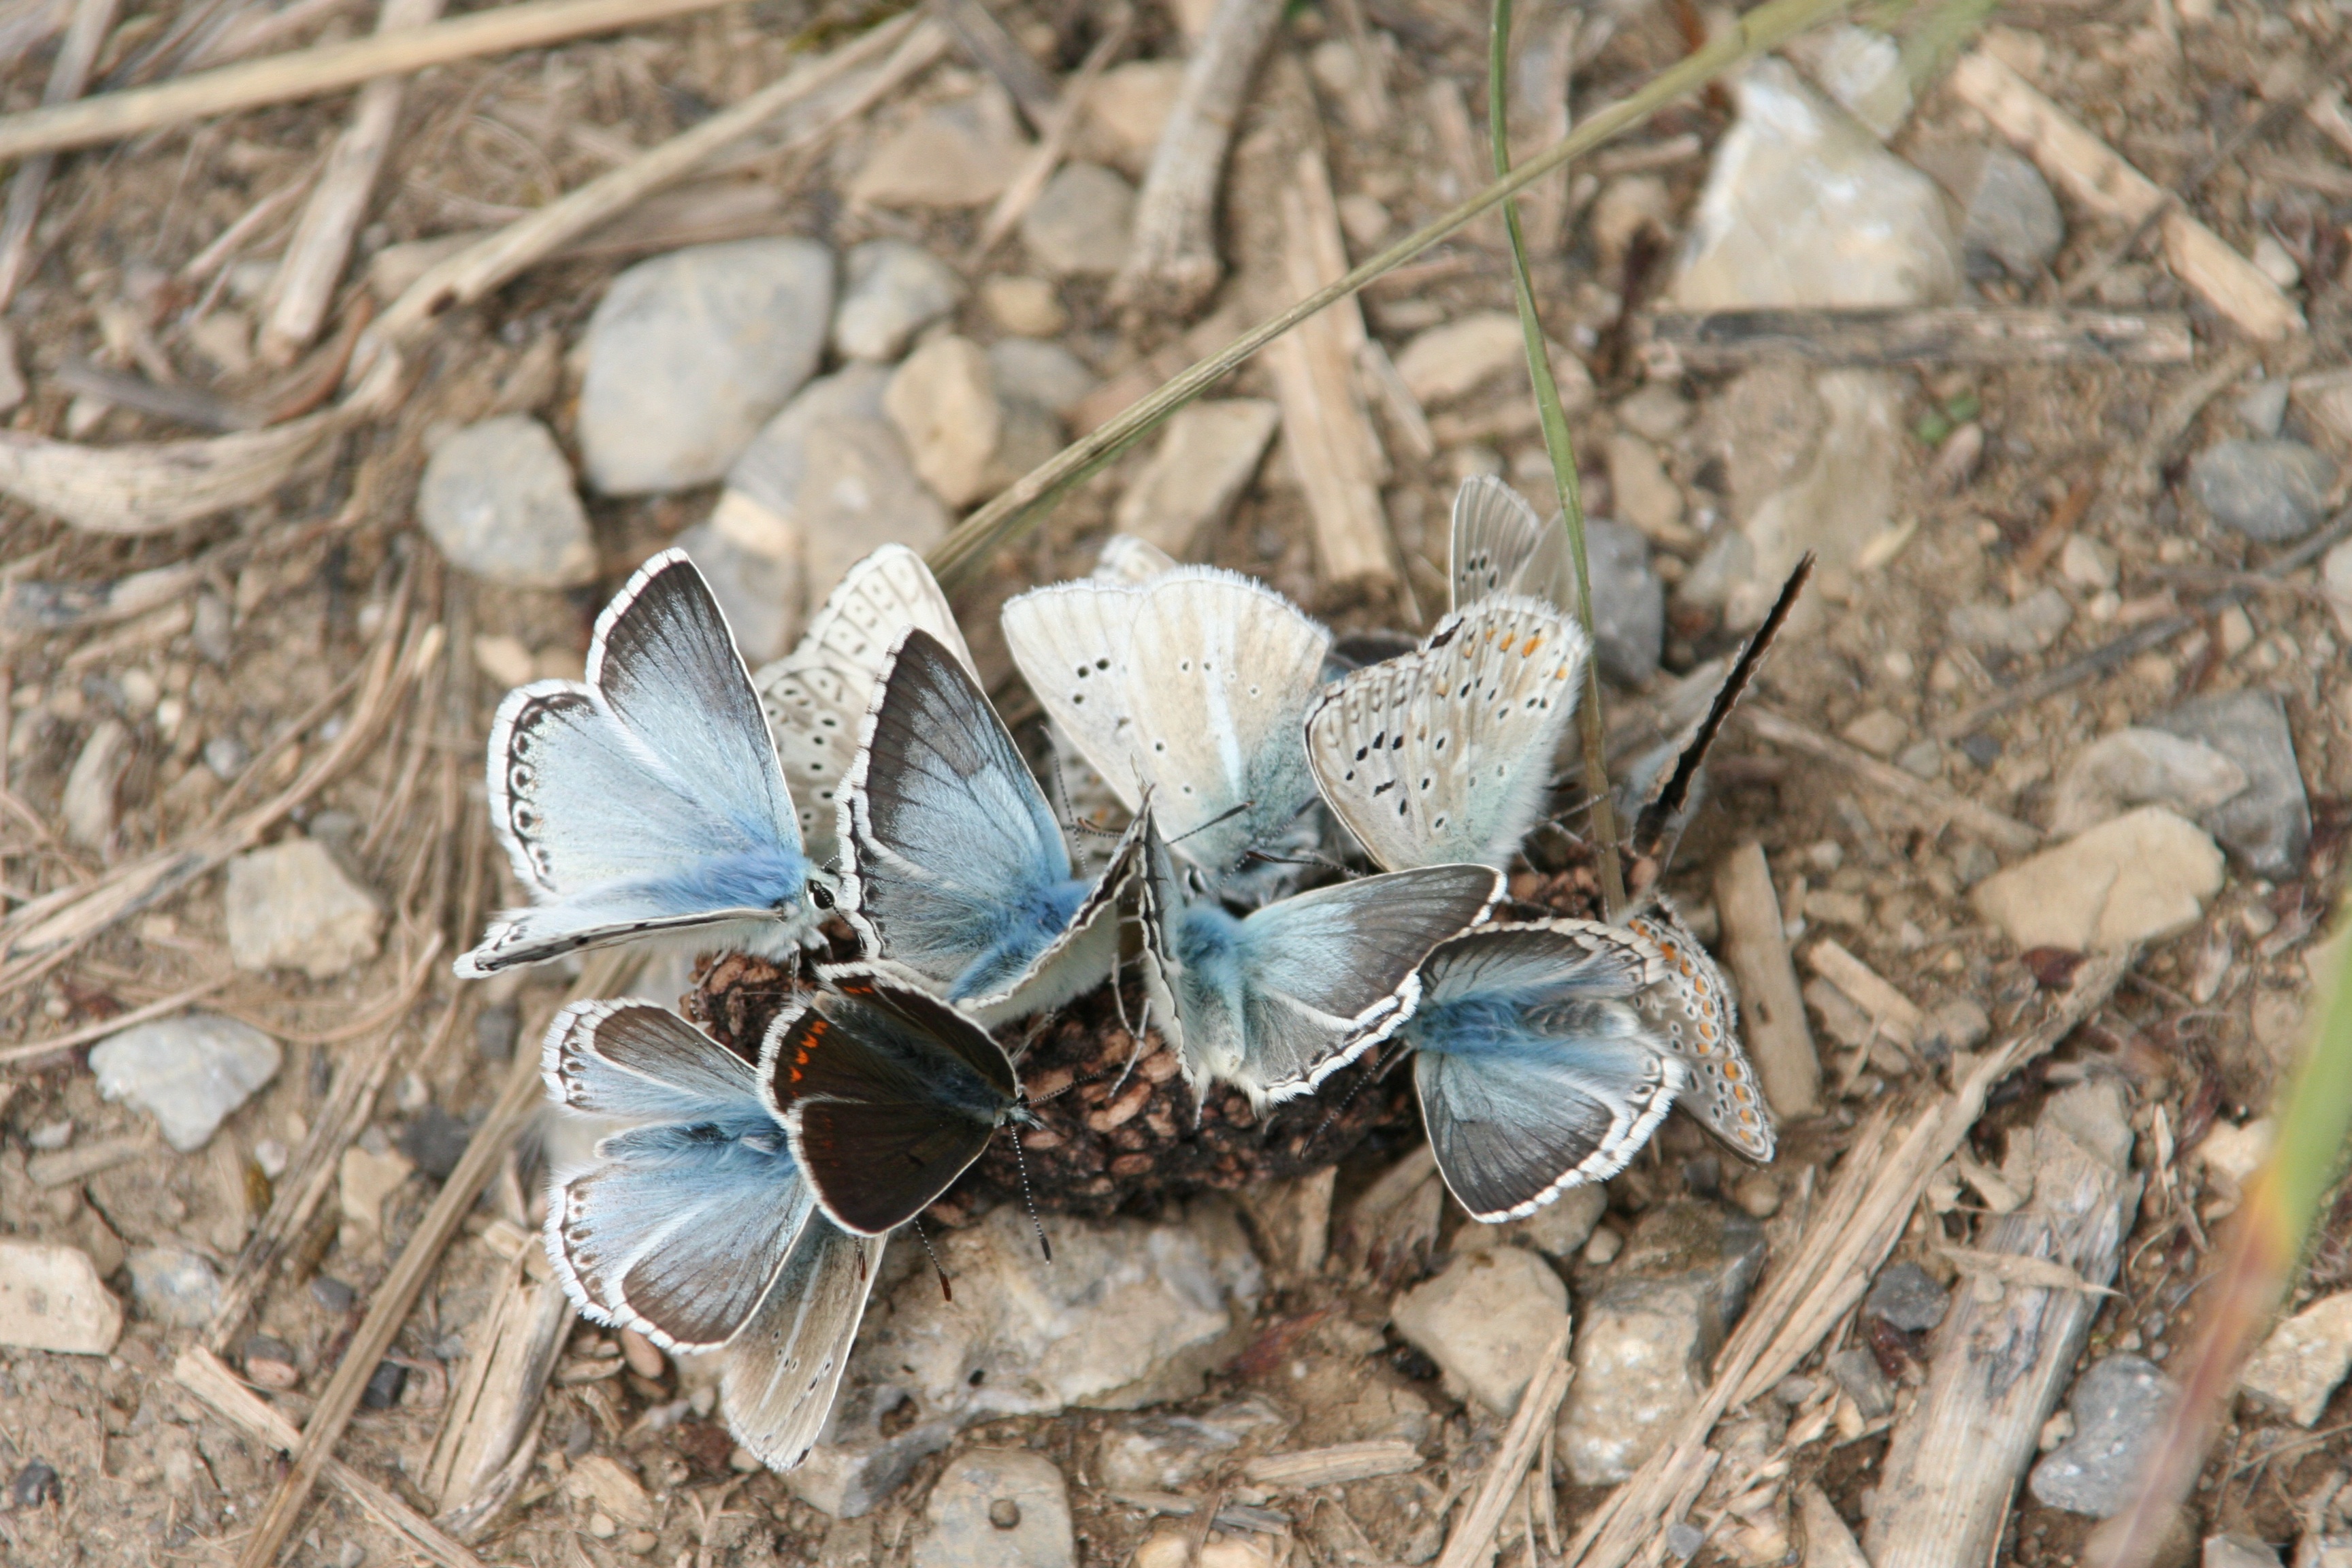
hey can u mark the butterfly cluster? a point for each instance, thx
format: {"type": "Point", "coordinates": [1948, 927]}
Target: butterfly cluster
{"type": "Point", "coordinates": [1307, 836]}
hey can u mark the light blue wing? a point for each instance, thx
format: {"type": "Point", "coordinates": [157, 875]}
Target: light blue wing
{"type": "Point", "coordinates": [673, 1227]}
{"type": "Point", "coordinates": [664, 662]}
{"type": "Point", "coordinates": [1531, 963]}
{"type": "Point", "coordinates": [953, 866]}
{"type": "Point", "coordinates": [1278, 1001]}
{"type": "Point", "coordinates": [779, 1375]}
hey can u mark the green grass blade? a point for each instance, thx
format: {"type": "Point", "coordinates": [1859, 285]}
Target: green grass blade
{"type": "Point", "coordinates": [1557, 447]}
{"type": "Point", "coordinates": [1017, 509]}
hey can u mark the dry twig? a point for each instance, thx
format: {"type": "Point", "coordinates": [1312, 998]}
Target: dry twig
{"type": "Point", "coordinates": [68, 74]}
{"type": "Point", "coordinates": [1474, 1533]}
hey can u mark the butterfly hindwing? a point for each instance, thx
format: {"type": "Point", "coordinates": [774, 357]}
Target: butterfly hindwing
{"type": "Point", "coordinates": [780, 1373]}
{"type": "Point", "coordinates": [1691, 1010]}
{"type": "Point", "coordinates": [1501, 546]}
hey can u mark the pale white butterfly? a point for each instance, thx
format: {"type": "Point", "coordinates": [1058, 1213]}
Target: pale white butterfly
{"type": "Point", "coordinates": [816, 696]}
{"type": "Point", "coordinates": [1191, 685]}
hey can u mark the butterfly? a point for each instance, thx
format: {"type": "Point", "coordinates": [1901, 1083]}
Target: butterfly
{"type": "Point", "coordinates": [1536, 1073]}
{"type": "Point", "coordinates": [816, 696]}
{"type": "Point", "coordinates": [1501, 547]}
{"type": "Point", "coordinates": [1192, 686]}
{"type": "Point", "coordinates": [954, 874]}
{"type": "Point", "coordinates": [1444, 754]}
{"type": "Point", "coordinates": [696, 1226]}
{"type": "Point", "coordinates": [648, 799]}
{"type": "Point", "coordinates": [1276, 1001]}
{"type": "Point", "coordinates": [887, 1095]}
{"type": "Point", "coordinates": [1690, 1011]}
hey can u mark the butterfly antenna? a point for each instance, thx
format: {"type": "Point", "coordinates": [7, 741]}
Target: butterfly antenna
{"type": "Point", "coordinates": [946, 1289]}
{"type": "Point", "coordinates": [1657, 819]}
{"type": "Point", "coordinates": [1226, 815]}
{"type": "Point", "coordinates": [1389, 1060]}
{"type": "Point", "coordinates": [1020, 1167]}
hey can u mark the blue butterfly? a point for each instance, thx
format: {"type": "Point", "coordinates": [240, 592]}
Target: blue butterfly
{"type": "Point", "coordinates": [1535, 1069]}
{"type": "Point", "coordinates": [954, 874]}
{"type": "Point", "coordinates": [696, 1226]}
{"type": "Point", "coordinates": [648, 800]}
{"type": "Point", "coordinates": [1276, 1001]}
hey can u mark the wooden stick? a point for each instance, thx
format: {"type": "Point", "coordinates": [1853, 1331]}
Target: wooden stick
{"type": "Point", "coordinates": [1855, 1226]}
{"type": "Point", "coordinates": [305, 282]}
{"type": "Point", "coordinates": [201, 1372]}
{"type": "Point", "coordinates": [477, 271]}
{"type": "Point", "coordinates": [1172, 265]}
{"type": "Point", "coordinates": [1937, 803]}
{"type": "Point", "coordinates": [33, 1050]}
{"type": "Point", "coordinates": [2098, 176]}
{"type": "Point", "coordinates": [1334, 1466]}
{"type": "Point", "coordinates": [1000, 54]}
{"type": "Point", "coordinates": [1939, 334]}
{"type": "Point", "coordinates": [329, 68]}
{"type": "Point", "coordinates": [1474, 1534]}
{"type": "Point", "coordinates": [1996, 1372]}
{"type": "Point", "coordinates": [1772, 1010]}
{"type": "Point", "coordinates": [1332, 438]}
{"type": "Point", "coordinates": [68, 74]}
{"type": "Point", "coordinates": [517, 1101]}
{"type": "Point", "coordinates": [492, 1409]}
{"type": "Point", "coordinates": [1053, 141]}
{"type": "Point", "coordinates": [1897, 1017]}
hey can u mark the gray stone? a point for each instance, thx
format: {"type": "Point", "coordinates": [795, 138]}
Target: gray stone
{"type": "Point", "coordinates": [2119, 1407]}
{"type": "Point", "coordinates": [999, 1507]}
{"type": "Point", "coordinates": [822, 486]}
{"type": "Point", "coordinates": [1862, 68]}
{"type": "Point", "coordinates": [2237, 1551]}
{"type": "Point", "coordinates": [497, 497]}
{"type": "Point", "coordinates": [891, 291]}
{"type": "Point", "coordinates": [2303, 1359]}
{"type": "Point", "coordinates": [211, 634]}
{"type": "Point", "coordinates": [291, 906]}
{"type": "Point", "coordinates": [1046, 374]}
{"type": "Point", "coordinates": [848, 1475]}
{"type": "Point", "coordinates": [2012, 223]}
{"type": "Point", "coordinates": [2271, 491]}
{"type": "Point", "coordinates": [1803, 207]}
{"type": "Point", "coordinates": [89, 801]}
{"type": "Point", "coordinates": [1683, 1540]}
{"type": "Point", "coordinates": [2134, 767]}
{"type": "Point", "coordinates": [2268, 824]}
{"type": "Point", "coordinates": [227, 756]}
{"type": "Point", "coordinates": [188, 1072]}
{"type": "Point", "coordinates": [1204, 460]}
{"type": "Point", "coordinates": [1649, 1332]}
{"type": "Point", "coordinates": [1629, 602]}
{"type": "Point", "coordinates": [173, 1285]}
{"type": "Point", "coordinates": [2029, 626]}
{"type": "Point", "coordinates": [1080, 224]}
{"type": "Point", "coordinates": [1858, 1373]}
{"type": "Point", "coordinates": [1450, 360]}
{"type": "Point", "coordinates": [1169, 1453]}
{"type": "Point", "coordinates": [962, 153]}
{"type": "Point", "coordinates": [1959, 1024]}
{"type": "Point", "coordinates": [51, 1299]}
{"type": "Point", "coordinates": [1907, 1297]}
{"type": "Point", "coordinates": [689, 353]}
{"type": "Point", "coordinates": [2262, 406]}
{"type": "Point", "coordinates": [1483, 1321]}
{"type": "Point", "coordinates": [1922, 759]}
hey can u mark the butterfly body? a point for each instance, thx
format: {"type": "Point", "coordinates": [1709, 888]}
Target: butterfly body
{"type": "Point", "coordinates": [647, 800]}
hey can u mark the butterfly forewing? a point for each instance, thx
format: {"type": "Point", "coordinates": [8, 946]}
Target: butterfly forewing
{"type": "Point", "coordinates": [887, 1095]}
{"type": "Point", "coordinates": [1445, 755]}
{"type": "Point", "coordinates": [816, 697]}
{"type": "Point", "coordinates": [1070, 641]}
{"type": "Point", "coordinates": [1501, 546]}
{"type": "Point", "coordinates": [1692, 1012]}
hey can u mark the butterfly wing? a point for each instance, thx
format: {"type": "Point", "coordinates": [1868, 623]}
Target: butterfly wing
{"type": "Point", "coordinates": [1127, 559]}
{"type": "Point", "coordinates": [1219, 674]}
{"type": "Point", "coordinates": [887, 1095]}
{"type": "Point", "coordinates": [953, 866]}
{"type": "Point", "coordinates": [1534, 1076]}
{"type": "Point", "coordinates": [675, 1227]}
{"type": "Point", "coordinates": [1692, 1012]}
{"type": "Point", "coordinates": [816, 697]}
{"type": "Point", "coordinates": [1325, 974]}
{"type": "Point", "coordinates": [1501, 546]}
{"type": "Point", "coordinates": [1444, 755]}
{"type": "Point", "coordinates": [1071, 643]}
{"type": "Point", "coordinates": [780, 1374]}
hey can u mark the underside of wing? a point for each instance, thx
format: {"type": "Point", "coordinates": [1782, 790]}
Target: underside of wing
{"type": "Point", "coordinates": [1501, 546]}
{"type": "Point", "coordinates": [1536, 961]}
{"type": "Point", "coordinates": [1690, 1011]}
{"type": "Point", "coordinates": [816, 697]}
{"type": "Point", "coordinates": [780, 1374]}
{"type": "Point", "coordinates": [1070, 641]}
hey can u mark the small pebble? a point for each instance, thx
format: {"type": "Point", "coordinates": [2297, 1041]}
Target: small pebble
{"type": "Point", "coordinates": [35, 1484]}
{"type": "Point", "coordinates": [1603, 1246]}
{"type": "Point", "coordinates": [50, 1135]}
{"type": "Point", "coordinates": [1004, 1513]}
{"type": "Point", "coordinates": [644, 1358]}
{"type": "Point", "coordinates": [383, 1386]}
{"type": "Point", "coordinates": [333, 1294]}
{"type": "Point", "coordinates": [269, 1363]}
{"type": "Point", "coordinates": [602, 1527]}
{"type": "Point", "coordinates": [1683, 1540]}
{"type": "Point", "coordinates": [639, 1542]}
